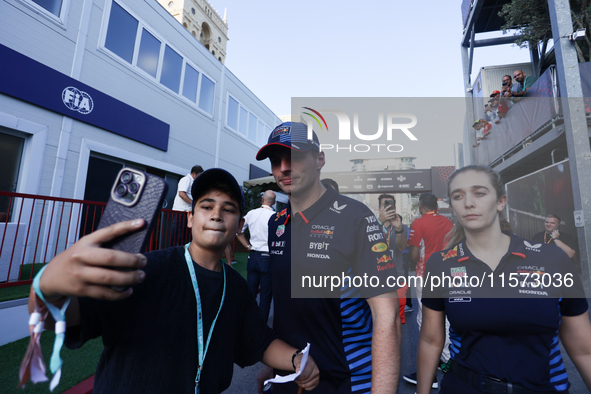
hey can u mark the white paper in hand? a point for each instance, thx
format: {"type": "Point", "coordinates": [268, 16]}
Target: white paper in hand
{"type": "Point", "coordinates": [293, 376]}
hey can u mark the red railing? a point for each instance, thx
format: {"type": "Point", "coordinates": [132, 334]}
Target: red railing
{"type": "Point", "coordinates": [33, 229]}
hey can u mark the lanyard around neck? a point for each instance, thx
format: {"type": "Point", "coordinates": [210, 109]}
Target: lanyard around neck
{"type": "Point", "coordinates": [550, 240]}
{"type": "Point", "coordinates": [202, 350]}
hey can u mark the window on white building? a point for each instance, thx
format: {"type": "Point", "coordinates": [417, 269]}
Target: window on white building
{"type": "Point", "coordinates": [206, 94]}
{"type": "Point", "coordinates": [232, 120]}
{"type": "Point", "coordinates": [190, 83]}
{"type": "Point", "coordinates": [263, 133]}
{"type": "Point", "coordinates": [252, 128]}
{"type": "Point", "coordinates": [121, 33]}
{"type": "Point", "coordinates": [53, 6]}
{"type": "Point", "coordinates": [154, 56]}
{"type": "Point", "coordinates": [171, 69]}
{"type": "Point", "coordinates": [241, 120]}
{"type": "Point", "coordinates": [149, 53]}
{"type": "Point", "coordinates": [243, 125]}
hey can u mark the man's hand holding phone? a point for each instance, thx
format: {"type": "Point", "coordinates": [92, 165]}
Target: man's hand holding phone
{"type": "Point", "coordinates": [86, 269]}
{"type": "Point", "coordinates": [387, 214]}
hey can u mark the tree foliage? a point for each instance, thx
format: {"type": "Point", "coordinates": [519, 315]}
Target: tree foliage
{"type": "Point", "coordinates": [531, 20]}
{"type": "Point", "coordinates": [252, 197]}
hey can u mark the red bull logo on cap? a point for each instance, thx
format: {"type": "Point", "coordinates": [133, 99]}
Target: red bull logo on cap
{"type": "Point", "coordinates": [281, 131]}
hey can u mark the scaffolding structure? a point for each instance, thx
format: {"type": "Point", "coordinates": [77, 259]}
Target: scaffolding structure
{"type": "Point", "coordinates": [568, 133]}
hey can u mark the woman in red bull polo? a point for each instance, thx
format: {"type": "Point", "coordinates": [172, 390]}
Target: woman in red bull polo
{"type": "Point", "coordinates": [508, 302]}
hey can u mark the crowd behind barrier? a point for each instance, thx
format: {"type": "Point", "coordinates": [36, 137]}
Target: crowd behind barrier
{"type": "Point", "coordinates": [525, 120]}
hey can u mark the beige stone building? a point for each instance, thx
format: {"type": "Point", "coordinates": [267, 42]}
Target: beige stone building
{"type": "Point", "coordinates": [203, 22]}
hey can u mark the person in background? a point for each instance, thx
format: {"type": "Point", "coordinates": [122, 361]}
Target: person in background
{"type": "Point", "coordinates": [488, 113]}
{"type": "Point", "coordinates": [553, 236]}
{"type": "Point", "coordinates": [396, 234]}
{"type": "Point", "coordinates": [506, 91]}
{"type": "Point", "coordinates": [257, 268]}
{"type": "Point", "coordinates": [183, 202]}
{"type": "Point", "coordinates": [355, 335]}
{"type": "Point", "coordinates": [505, 337]}
{"type": "Point", "coordinates": [524, 83]}
{"type": "Point", "coordinates": [427, 236]}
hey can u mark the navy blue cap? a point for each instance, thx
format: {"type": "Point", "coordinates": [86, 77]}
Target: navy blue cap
{"type": "Point", "coordinates": [292, 135]}
{"type": "Point", "coordinates": [217, 175]}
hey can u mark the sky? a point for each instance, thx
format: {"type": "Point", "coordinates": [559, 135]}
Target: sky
{"type": "Point", "coordinates": [327, 48]}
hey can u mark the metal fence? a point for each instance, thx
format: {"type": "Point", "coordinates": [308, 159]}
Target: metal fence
{"type": "Point", "coordinates": [34, 229]}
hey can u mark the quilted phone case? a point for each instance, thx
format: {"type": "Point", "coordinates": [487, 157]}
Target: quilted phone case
{"type": "Point", "coordinates": [147, 207]}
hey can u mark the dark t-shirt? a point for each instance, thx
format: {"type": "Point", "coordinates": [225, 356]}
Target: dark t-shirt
{"type": "Point", "coordinates": [508, 330]}
{"type": "Point", "coordinates": [564, 237]}
{"type": "Point", "coordinates": [570, 241]}
{"type": "Point", "coordinates": [150, 338]}
{"type": "Point", "coordinates": [336, 235]}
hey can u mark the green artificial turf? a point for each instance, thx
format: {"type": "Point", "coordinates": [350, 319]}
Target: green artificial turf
{"type": "Point", "coordinates": [240, 264]}
{"type": "Point", "coordinates": [18, 292]}
{"type": "Point", "coordinates": [78, 364]}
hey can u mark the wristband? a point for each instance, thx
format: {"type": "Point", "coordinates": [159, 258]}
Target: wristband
{"type": "Point", "coordinates": [295, 354]}
{"type": "Point", "coordinates": [399, 232]}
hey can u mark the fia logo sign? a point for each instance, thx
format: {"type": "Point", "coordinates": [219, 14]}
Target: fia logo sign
{"type": "Point", "coordinates": [77, 100]}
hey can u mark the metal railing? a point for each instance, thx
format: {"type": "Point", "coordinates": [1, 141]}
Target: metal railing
{"type": "Point", "coordinates": [34, 229]}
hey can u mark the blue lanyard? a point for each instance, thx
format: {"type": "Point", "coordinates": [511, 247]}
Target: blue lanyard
{"type": "Point", "coordinates": [202, 351]}
{"type": "Point", "coordinates": [59, 315]}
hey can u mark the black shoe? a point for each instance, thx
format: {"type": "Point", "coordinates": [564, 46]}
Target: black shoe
{"type": "Point", "coordinates": [412, 378]}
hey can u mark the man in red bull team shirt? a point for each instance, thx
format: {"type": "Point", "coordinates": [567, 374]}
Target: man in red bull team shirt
{"type": "Point", "coordinates": [354, 330]}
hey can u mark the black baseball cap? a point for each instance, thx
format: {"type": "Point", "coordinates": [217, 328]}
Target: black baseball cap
{"type": "Point", "coordinates": [292, 135]}
{"type": "Point", "coordinates": [219, 176]}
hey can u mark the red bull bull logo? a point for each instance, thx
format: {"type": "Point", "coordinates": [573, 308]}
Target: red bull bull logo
{"type": "Point", "coordinates": [282, 213]}
{"type": "Point", "coordinates": [384, 259]}
{"type": "Point", "coordinates": [450, 253]}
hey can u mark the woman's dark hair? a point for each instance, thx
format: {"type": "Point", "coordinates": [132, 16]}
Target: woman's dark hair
{"type": "Point", "coordinates": [457, 233]}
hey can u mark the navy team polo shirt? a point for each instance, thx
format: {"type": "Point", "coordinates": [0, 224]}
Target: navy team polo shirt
{"type": "Point", "coordinates": [513, 333]}
{"type": "Point", "coordinates": [337, 234]}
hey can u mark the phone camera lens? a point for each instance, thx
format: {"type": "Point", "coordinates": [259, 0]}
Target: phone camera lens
{"type": "Point", "coordinates": [126, 177]}
{"type": "Point", "coordinates": [121, 190]}
{"type": "Point", "coordinates": [133, 187]}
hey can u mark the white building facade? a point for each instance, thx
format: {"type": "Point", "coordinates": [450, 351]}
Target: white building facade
{"type": "Point", "coordinates": [91, 85]}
